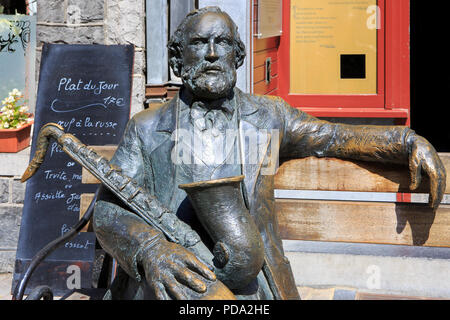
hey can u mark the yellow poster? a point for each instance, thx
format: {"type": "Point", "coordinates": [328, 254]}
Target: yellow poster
{"type": "Point", "coordinates": [333, 47]}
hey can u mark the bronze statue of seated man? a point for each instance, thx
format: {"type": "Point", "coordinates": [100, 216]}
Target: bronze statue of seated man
{"type": "Point", "coordinates": [212, 130]}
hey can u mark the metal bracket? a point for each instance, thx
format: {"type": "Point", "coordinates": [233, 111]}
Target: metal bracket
{"type": "Point", "coordinates": [268, 70]}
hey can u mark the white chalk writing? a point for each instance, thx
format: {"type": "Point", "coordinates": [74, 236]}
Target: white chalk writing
{"type": "Point", "coordinates": [67, 84]}
{"type": "Point", "coordinates": [43, 196]}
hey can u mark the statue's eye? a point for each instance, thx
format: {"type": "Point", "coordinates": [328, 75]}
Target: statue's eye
{"type": "Point", "coordinates": [224, 41]}
{"type": "Point", "coordinates": [197, 41]}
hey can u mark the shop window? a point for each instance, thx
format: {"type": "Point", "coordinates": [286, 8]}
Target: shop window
{"type": "Point", "coordinates": [346, 58]}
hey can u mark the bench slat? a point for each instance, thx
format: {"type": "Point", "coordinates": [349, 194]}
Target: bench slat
{"type": "Point", "coordinates": [344, 175]}
{"type": "Point", "coordinates": [364, 222]}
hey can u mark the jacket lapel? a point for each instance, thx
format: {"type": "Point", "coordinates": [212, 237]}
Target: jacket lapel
{"type": "Point", "coordinates": [254, 142]}
{"type": "Point", "coordinates": [167, 121]}
{"type": "Point", "coordinates": [161, 155]}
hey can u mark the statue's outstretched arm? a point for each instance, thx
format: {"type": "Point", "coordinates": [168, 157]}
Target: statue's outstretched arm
{"type": "Point", "coordinates": [305, 135]}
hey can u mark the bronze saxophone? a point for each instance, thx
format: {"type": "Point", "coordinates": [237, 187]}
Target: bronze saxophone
{"type": "Point", "coordinates": [238, 245]}
{"type": "Point", "coordinates": [238, 254]}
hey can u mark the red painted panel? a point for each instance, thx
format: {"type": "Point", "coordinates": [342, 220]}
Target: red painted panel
{"type": "Point", "coordinates": [264, 88]}
{"type": "Point", "coordinates": [259, 73]}
{"type": "Point", "coordinates": [264, 44]}
{"type": "Point", "coordinates": [260, 57]}
{"type": "Point", "coordinates": [398, 55]}
{"type": "Point", "coordinates": [399, 114]}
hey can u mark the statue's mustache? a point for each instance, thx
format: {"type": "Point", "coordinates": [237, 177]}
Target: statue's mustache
{"type": "Point", "coordinates": [197, 71]}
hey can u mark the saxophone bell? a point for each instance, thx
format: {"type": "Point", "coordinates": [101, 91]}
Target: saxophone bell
{"type": "Point", "coordinates": [238, 250]}
{"type": "Point", "coordinates": [48, 131]}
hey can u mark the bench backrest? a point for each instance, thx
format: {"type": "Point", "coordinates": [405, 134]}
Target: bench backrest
{"type": "Point", "coordinates": [384, 214]}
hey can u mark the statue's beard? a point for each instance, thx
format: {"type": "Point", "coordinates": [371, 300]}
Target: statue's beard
{"type": "Point", "coordinates": [209, 84]}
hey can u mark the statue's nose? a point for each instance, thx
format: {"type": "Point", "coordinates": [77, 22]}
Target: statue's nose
{"type": "Point", "coordinates": [211, 55]}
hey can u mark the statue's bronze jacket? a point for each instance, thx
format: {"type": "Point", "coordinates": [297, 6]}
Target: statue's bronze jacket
{"type": "Point", "coordinates": [285, 132]}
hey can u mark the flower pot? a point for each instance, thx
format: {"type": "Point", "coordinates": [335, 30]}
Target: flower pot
{"type": "Point", "coordinates": [14, 140]}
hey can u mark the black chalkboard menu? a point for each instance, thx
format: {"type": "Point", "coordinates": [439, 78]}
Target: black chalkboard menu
{"type": "Point", "coordinates": [87, 90]}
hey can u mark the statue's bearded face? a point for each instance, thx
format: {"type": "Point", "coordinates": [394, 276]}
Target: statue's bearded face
{"type": "Point", "coordinates": [208, 68]}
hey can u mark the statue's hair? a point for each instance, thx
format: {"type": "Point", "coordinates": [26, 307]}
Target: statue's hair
{"type": "Point", "coordinates": [175, 44]}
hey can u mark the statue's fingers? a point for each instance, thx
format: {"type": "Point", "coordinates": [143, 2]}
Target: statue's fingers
{"type": "Point", "coordinates": [175, 290]}
{"type": "Point", "coordinates": [191, 280]}
{"type": "Point", "coordinates": [436, 192]}
{"type": "Point", "coordinates": [437, 184]}
{"type": "Point", "coordinates": [160, 291]}
{"type": "Point", "coordinates": [196, 265]}
{"type": "Point", "coordinates": [415, 169]}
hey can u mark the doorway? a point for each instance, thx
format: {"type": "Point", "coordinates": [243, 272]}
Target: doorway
{"type": "Point", "coordinates": [430, 72]}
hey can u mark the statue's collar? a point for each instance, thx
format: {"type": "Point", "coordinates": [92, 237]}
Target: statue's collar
{"type": "Point", "coordinates": [167, 122]}
{"type": "Point", "coordinates": [226, 104]}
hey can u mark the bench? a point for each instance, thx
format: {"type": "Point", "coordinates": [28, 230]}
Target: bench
{"type": "Point", "coordinates": [389, 216]}
{"type": "Point", "coordinates": [329, 207]}
{"type": "Point", "coordinates": [344, 221]}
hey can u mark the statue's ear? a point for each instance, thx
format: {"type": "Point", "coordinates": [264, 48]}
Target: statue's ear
{"type": "Point", "coordinates": [175, 64]}
{"type": "Point", "coordinates": [240, 53]}
{"type": "Point", "coordinates": [240, 60]}
{"type": "Point", "coordinates": [175, 54]}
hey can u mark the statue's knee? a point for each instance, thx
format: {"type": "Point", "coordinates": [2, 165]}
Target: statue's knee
{"type": "Point", "coordinates": [101, 216]}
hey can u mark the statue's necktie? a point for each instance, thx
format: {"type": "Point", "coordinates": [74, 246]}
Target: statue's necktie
{"type": "Point", "coordinates": [213, 119]}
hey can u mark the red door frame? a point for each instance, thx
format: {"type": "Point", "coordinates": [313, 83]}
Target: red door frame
{"type": "Point", "coordinates": [393, 97]}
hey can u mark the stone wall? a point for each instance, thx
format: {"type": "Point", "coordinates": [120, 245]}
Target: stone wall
{"type": "Point", "coordinates": [97, 22]}
{"type": "Point", "coordinates": [12, 193]}
{"type": "Point", "coordinates": [11, 204]}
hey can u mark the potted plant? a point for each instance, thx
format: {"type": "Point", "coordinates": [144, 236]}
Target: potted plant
{"type": "Point", "coordinates": [15, 123]}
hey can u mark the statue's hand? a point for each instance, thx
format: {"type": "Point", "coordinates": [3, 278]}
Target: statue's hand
{"type": "Point", "coordinates": [172, 270]}
{"type": "Point", "coordinates": [422, 155]}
